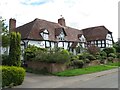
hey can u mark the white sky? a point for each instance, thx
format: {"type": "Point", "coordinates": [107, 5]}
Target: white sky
{"type": "Point", "coordinates": [79, 14]}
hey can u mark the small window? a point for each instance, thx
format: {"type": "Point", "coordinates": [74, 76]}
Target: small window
{"type": "Point", "coordinates": [61, 37]}
{"type": "Point", "coordinates": [47, 44]}
{"type": "Point", "coordinates": [99, 45]}
{"type": "Point", "coordinates": [99, 42]}
{"type": "Point", "coordinates": [45, 34]}
{"type": "Point", "coordinates": [108, 36]}
{"type": "Point", "coordinates": [82, 39]}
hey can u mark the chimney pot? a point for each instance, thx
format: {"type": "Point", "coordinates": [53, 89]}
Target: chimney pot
{"type": "Point", "coordinates": [61, 21]}
{"type": "Point", "coordinates": [12, 25]}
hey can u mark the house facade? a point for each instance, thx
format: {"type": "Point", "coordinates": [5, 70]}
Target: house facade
{"type": "Point", "coordinates": [47, 34]}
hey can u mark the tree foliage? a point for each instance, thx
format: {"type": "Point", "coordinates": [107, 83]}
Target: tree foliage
{"type": "Point", "coordinates": [117, 47]}
{"type": "Point", "coordinates": [4, 33]}
{"type": "Point", "coordinates": [15, 49]}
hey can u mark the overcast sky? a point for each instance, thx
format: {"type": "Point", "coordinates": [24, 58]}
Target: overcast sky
{"type": "Point", "coordinates": [79, 14]}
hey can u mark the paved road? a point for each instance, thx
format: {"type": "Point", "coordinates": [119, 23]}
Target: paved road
{"type": "Point", "coordinates": [105, 79]}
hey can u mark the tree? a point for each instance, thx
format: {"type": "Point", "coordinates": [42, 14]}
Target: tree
{"type": "Point", "coordinates": [4, 33]}
{"type": "Point", "coordinates": [15, 49]}
{"type": "Point", "coordinates": [117, 46]}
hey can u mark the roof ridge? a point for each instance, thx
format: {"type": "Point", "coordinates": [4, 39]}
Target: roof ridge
{"type": "Point", "coordinates": [57, 24]}
{"type": "Point", "coordinates": [93, 27]}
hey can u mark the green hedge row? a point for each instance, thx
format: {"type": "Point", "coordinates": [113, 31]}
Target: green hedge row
{"type": "Point", "coordinates": [12, 75]}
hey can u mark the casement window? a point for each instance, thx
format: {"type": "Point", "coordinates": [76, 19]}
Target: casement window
{"type": "Point", "coordinates": [92, 42]}
{"type": "Point", "coordinates": [47, 44]}
{"type": "Point", "coordinates": [45, 34]}
{"type": "Point", "coordinates": [99, 42]}
{"type": "Point", "coordinates": [60, 44]}
{"type": "Point", "coordinates": [52, 44]}
{"type": "Point", "coordinates": [65, 45]}
{"type": "Point", "coordinates": [103, 45]}
{"type": "Point", "coordinates": [99, 45]}
{"type": "Point", "coordinates": [103, 41]}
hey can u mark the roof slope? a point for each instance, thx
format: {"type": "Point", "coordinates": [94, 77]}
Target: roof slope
{"type": "Point", "coordinates": [32, 30]}
{"type": "Point", "coordinates": [95, 33]}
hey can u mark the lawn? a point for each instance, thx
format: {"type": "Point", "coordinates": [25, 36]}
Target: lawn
{"type": "Point", "coordinates": [114, 64]}
{"type": "Point", "coordinates": [91, 69]}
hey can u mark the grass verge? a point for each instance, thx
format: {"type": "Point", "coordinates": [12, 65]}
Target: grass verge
{"type": "Point", "coordinates": [91, 69]}
{"type": "Point", "coordinates": [114, 64]}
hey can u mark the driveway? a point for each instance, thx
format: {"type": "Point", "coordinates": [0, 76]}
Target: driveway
{"type": "Point", "coordinates": [95, 80]}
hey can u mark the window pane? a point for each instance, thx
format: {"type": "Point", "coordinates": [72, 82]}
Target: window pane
{"type": "Point", "coordinates": [99, 45]}
{"type": "Point", "coordinates": [47, 44]}
{"type": "Point", "coordinates": [60, 44]}
{"type": "Point", "coordinates": [99, 41]}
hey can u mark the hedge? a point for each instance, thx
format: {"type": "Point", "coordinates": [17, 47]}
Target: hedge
{"type": "Point", "coordinates": [12, 75]}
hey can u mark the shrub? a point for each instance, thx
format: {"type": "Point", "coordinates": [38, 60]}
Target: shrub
{"type": "Point", "coordinates": [78, 63]}
{"type": "Point", "coordinates": [117, 46]}
{"type": "Point", "coordinates": [112, 55]}
{"type": "Point", "coordinates": [109, 50]}
{"type": "Point", "coordinates": [30, 52]}
{"type": "Point", "coordinates": [75, 58]}
{"type": "Point", "coordinates": [91, 57]}
{"type": "Point", "coordinates": [87, 60]}
{"type": "Point", "coordinates": [83, 56]}
{"type": "Point", "coordinates": [103, 55]}
{"type": "Point", "coordinates": [93, 49]}
{"type": "Point", "coordinates": [5, 59]}
{"type": "Point", "coordinates": [12, 75]}
{"type": "Point", "coordinates": [57, 56]}
{"type": "Point", "coordinates": [15, 49]}
{"type": "Point", "coordinates": [118, 55]}
{"type": "Point", "coordinates": [98, 56]}
{"type": "Point", "coordinates": [110, 59]}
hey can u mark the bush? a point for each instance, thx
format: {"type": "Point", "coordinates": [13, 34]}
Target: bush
{"type": "Point", "coordinates": [109, 50]}
{"type": "Point", "coordinates": [117, 46]}
{"type": "Point", "coordinates": [103, 55]}
{"type": "Point", "coordinates": [30, 52]}
{"type": "Point", "coordinates": [83, 56]}
{"type": "Point", "coordinates": [15, 49]}
{"type": "Point", "coordinates": [93, 49]}
{"type": "Point", "coordinates": [110, 59]}
{"type": "Point", "coordinates": [91, 57]}
{"type": "Point", "coordinates": [118, 55]}
{"type": "Point", "coordinates": [12, 75]}
{"type": "Point", "coordinates": [78, 63]}
{"type": "Point", "coordinates": [5, 59]}
{"type": "Point", "coordinates": [98, 56]}
{"type": "Point", "coordinates": [112, 55]}
{"type": "Point", "coordinates": [87, 60]}
{"type": "Point", "coordinates": [52, 56]}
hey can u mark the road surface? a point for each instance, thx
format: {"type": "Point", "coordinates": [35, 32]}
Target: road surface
{"type": "Point", "coordinates": [104, 79]}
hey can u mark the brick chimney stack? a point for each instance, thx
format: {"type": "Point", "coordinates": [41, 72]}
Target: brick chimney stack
{"type": "Point", "coordinates": [12, 25]}
{"type": "Point", "coordinates": [61, 21]}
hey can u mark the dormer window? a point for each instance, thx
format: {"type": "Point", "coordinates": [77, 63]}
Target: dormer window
{"type": "Point", "coordinates": [61, 37]}
{"type": "Point", "coordinates": [82, 39]}
{"type": "Point", "coordinates": [45, 34]}
{"type": "Point", "coordinates": [108, 36]}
